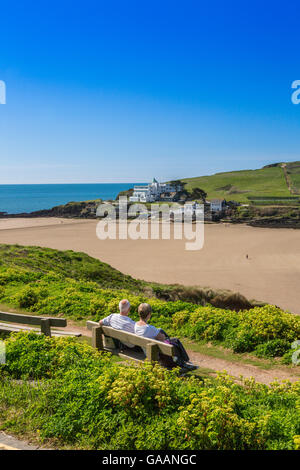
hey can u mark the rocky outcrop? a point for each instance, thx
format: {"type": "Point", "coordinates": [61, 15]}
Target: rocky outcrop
{"type": "Point", "coordinates": [81, 210]}
{"type": "Point", "coordinates": [127, 193]}
{"type": "Point", "coordinates": [283, 222]}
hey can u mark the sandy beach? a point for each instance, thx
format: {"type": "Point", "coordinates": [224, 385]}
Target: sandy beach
{"type": "Point", "coordinates": [34, 222]}
{"type": "Point", "coordinates": [271, 273]}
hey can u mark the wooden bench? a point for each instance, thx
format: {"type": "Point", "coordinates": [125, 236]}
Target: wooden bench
{"type": "Point", "coordinates": [152, 347]}
{"type": "Point", "coordinates": [12, 321]}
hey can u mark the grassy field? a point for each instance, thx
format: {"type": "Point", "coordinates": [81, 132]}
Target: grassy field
{"type": "Point", "coordinates": [246, 184]}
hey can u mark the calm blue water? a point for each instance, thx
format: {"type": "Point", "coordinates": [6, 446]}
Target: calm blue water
{"type": "Point", "coordinates": [17, 198]}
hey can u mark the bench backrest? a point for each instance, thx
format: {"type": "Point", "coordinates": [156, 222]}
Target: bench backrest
{"type": "Point", "coordinates": [126, 337]}
{"type": "Point", "coordinates": [31, 319]}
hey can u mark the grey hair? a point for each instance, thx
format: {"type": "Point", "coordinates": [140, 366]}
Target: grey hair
{"type": "Point", "coordinates": [124, 306]}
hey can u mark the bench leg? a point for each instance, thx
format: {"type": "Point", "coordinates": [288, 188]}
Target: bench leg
{"type": "Point", "coordinates": [45, 327]}
{"type": "Point", "coordinates": [97, 340]}
{"type": "Point", "coordinates": [152, 352]}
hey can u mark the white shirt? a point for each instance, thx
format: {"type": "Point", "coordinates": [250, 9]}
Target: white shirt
{"type": "Point", "coordinates": [148, 331]}
{"type": "Point", "coordinates": [120, 322]}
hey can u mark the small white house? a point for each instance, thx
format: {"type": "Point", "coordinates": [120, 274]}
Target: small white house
{"type": "Point", "coordinates": [217, 205]}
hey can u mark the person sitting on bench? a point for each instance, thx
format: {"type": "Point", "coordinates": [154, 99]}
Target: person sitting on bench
{"type": "Point", "coordinates": [149, 331]}
{"type": "Point", "coordinates": [120, 321]}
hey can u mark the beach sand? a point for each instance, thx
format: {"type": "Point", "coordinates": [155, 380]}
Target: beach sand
{"type": "Point", "coordinates": [271, 273]}
{"type": "Point", "coordinates": [33, 222]}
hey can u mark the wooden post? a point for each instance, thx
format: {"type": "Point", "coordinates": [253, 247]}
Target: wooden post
{"type": "Point", "coordinates": [152, 352]}
{"type": "Point", "coordinates": [46, 326]}
{"type": "Point", "coordinates": [97, 340]}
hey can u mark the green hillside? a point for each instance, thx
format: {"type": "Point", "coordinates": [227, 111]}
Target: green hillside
{"type": "Point", "coordinates": [69, 264]}
{"type": "Point", "coordinates": [242, 186]}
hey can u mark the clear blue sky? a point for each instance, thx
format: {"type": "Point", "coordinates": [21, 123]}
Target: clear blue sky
{"type": "Point", "coordinates": [120, 91]}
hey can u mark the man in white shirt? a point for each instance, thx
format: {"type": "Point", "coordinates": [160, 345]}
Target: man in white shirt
{"type": "Point", "coordinates": [120, 321]}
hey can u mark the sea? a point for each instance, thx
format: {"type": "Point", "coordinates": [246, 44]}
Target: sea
{"type": "Point", "coordinates": [18, 198]}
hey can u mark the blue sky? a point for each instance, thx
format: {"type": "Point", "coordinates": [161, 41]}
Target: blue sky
{"type": "Point", "coordinates": [120, 91]}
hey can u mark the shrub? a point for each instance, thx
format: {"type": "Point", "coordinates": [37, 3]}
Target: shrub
{"type": "Point", "coordinates": [97, 307]}
{"type": "Point", "coordinates": [27, 297]}
{"type": "Point", "coordinates": [210, 422]}
{"type": "Point", "coordinates": [37, 356]}
{"type": "Point", "coordinates": [241, 340]}
{"type": "Point", "coordinates": [145, 390]}
{"type": "Point", "coordinates": [232, 300]}
{"type": "Point", "coordinates": [273, 348]}
{"type": "Point", "coordinates": [2, 292]}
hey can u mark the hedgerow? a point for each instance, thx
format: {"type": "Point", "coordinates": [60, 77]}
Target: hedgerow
{"type": "Point", "coordinates": [268, 330]}
{"type": "Point", "coordinates": [81, 399]}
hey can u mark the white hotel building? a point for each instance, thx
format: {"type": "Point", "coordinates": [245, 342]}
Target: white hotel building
{"type": "Point", "coordinates": [151, 192]}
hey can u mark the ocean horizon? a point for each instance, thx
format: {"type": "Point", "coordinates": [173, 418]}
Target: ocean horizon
{"type": "Point", "coordinates": [18, 198]}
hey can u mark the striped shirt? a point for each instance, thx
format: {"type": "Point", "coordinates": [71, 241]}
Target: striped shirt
{"type": "Point", "coordinates": [120, 322]}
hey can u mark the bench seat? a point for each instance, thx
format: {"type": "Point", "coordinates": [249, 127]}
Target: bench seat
{"type": "Point", "coordinates": [12, 322]}
{"type": "Point", "coordinates": [152, 346]}
{"type": "Point", "coordinates": [7, 327]}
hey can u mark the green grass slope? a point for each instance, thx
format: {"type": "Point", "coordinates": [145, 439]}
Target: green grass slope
{"type": "Point", "coordinates": [68, 263]}
{"type": "Point", "coordinates": [243, 185]}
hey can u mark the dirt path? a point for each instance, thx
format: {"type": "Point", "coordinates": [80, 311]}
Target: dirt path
{"type": "Point", "coordinates": [11, 443]}
{"type": "Point", "coordinates": [287, 178]}
{"type": "Point", "coordinates": [237, 369]}
{"type": "Point", "coordinates": [233, 368]}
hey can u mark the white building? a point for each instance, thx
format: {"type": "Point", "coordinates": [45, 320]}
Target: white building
{"type": "Point", "coordinates": [151, 192]}
{"type": "Point", "coordinates": [217, 205]}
